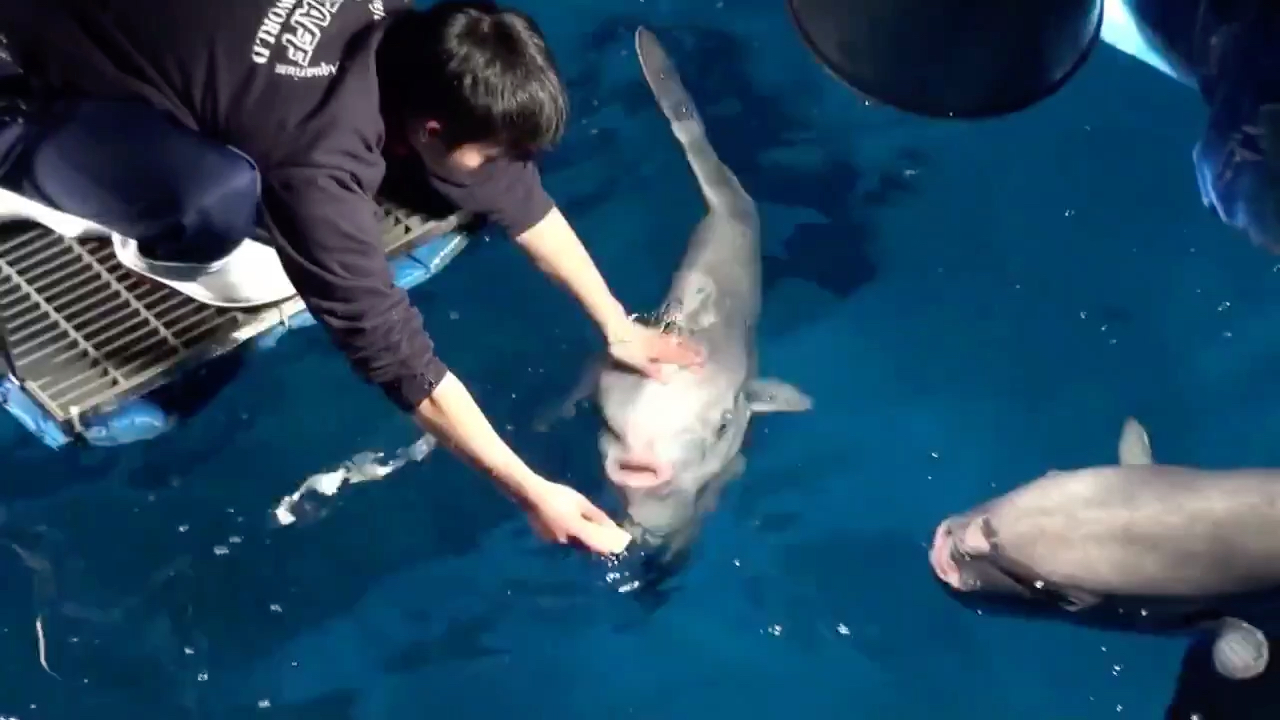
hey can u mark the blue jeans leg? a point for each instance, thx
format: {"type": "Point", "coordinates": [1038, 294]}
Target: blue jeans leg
{"type": "Point", "coordinates": [185, 198]}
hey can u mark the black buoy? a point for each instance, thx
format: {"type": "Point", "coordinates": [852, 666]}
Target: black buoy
{"type": "Point", "coordinates": [951, 58]}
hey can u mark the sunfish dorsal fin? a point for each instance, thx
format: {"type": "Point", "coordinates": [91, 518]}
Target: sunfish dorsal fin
{"type": "Point", "coordinates": [1135, 446]}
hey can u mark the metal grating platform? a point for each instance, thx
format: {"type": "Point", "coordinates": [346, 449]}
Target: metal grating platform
{"type": "Point", "coordinates": [81, 332]}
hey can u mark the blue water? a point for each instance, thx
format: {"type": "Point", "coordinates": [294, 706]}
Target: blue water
{"type": "Point", "coordinates": [969, 305]}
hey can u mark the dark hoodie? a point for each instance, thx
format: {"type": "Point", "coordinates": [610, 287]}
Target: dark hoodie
{"type": "Point", "coordinates": [292, 84]}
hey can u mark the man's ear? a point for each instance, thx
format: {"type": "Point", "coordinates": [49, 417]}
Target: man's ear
{"type": "Point", "coordinates": [422, 133]}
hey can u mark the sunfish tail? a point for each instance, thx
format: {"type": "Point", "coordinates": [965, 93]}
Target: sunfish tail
{"type": "Point", "coordinates": [719, 185]}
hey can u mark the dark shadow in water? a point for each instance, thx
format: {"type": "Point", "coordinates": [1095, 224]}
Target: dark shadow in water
{"type": "Point", "coordinates": [272, 586]}
{"type": "Point", "coordinates": [746, 126]}
{"type": "Point", "coordinates": [171, 455]}
{"type": "Point", "coordinates": [858, 578]}
{"type": "Point", "coordinates": [463, 639]}
{"type": "Point", "coordinates": [1203, 694]}
{"type": "Point", "coordinates": [322, 571]}
{"type": "Point", "coordinates": [654, 577]}
{"type": "Point", "coordinates": [340, 705]}
{"type": "Point", "coordinates": [34, 471]}
{"type": "Point", "coordinates": [850, 586]}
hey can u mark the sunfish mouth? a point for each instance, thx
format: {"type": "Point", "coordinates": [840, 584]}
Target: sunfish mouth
{"type": "Point", "coordinates": [637, 472]}
{"type": "Point", "coordinates": [954, 539]}
{"type": "Point", "coordinates": [941, 559]}
{"type": "Point", "coordinates": [967, 557]}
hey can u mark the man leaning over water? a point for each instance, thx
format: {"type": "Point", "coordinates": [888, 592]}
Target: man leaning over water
{"type": "Point", "coordinates": [180, 123]}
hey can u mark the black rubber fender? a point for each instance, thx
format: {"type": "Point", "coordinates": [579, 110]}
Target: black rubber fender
{"type": "Point", "coordinates": [951, 58]}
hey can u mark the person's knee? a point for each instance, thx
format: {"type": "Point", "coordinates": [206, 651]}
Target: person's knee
{"type": "Point", "coordinates": [221, 209]}
{"type": "Point", "coordinates": [135, 170]}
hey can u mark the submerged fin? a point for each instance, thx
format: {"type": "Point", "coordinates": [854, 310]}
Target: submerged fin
{"type": "Point", "coordinates": [1135, 446]}
{"type": "Point", "coordinates": [566, 408]}
{"type": "Point", "coordinates": [710, 495]}
{"type": "Point", "coordinates": [1076, 599]}
{"type": "Point", "coordinates": [1269, 133]}
{"type": "Point", "coordinates": [720, 187]}
{"type": "Point", "coordinates": [734, 469]}
{"type": "Point", "coordinates": [766, 395]}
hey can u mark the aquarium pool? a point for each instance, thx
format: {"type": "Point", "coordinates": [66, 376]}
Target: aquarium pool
{"type": "Point", "coordinates": [968, 304]}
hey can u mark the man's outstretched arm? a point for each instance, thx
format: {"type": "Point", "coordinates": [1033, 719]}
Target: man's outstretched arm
{"type": "Point", "coordinates": [327, 239]}
{"type": "Point", "coordinates": [510, 193]}
{"type": "Point", "coordinates": [556, 249]}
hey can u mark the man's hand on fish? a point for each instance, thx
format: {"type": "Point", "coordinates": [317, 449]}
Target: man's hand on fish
{"type": "Point", "coordinates": [650, 351]}
{"type": "Point", "coordinates": [558, 513]}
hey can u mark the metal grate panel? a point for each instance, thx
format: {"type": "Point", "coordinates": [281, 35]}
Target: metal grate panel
{"type": "Point", "coordinates": [402, 229]}
{"type": "Point", "coordinates": [82, 332]}
{"type": "Point", "coordinates": [80, 327]}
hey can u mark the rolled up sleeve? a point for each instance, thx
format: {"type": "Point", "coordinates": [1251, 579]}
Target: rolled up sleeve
{"type": "Point", "coordinates": [327, 232]}
{"type": "Point", "coordinates": [507, 192]}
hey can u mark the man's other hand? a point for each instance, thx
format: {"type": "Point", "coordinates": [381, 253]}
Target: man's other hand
{"type": "Point", "coordinates": [558, 513]}
{"type": "Point", "coordinates": [650, 351]}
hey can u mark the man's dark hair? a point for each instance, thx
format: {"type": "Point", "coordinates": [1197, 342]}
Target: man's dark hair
{"type": "Point", "coordinates": [483, 73]}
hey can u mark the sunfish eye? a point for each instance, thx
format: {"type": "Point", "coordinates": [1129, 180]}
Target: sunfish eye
{"type": "Point", "coordinates": [725, 419]}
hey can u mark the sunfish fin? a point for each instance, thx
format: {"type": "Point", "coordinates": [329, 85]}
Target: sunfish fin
{"type": "Point", "coordinates": [1075, 600]}
{"type": "Point", "coordinates": [720, 187]}
{"type": "Point", "coordinates": [710, 495]}
{"type": "Point", "coordinates": [1269, 133]}
{"type": "Point", "coordinates": [1135, 446]}
{"type": "Point", "coordinates": [668, 89]}
{"type": "Point", "coordinates": [766, 395]}
{"type": "Point", "coordinates": [734, 469]}
{"type": "Point", "coordinates": [567, 407]}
